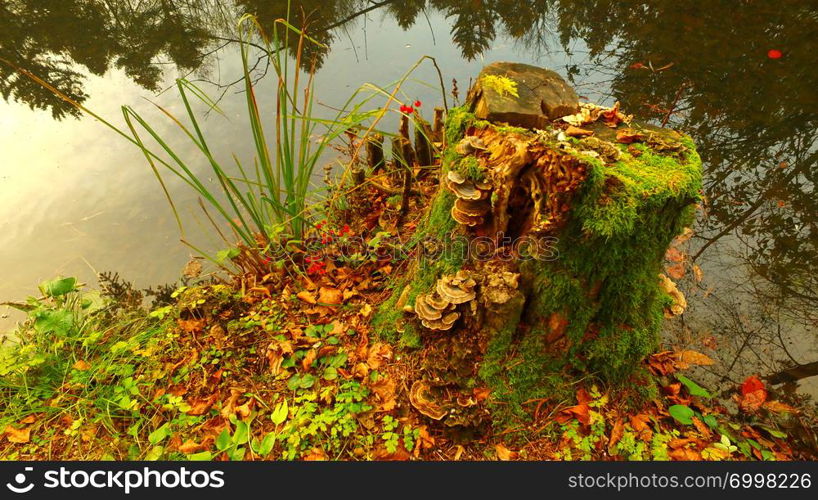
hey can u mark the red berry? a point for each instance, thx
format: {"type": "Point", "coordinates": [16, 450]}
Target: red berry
{"type": "Point", "coordinates": [774, 54]}
{"type": "Point", "coordinates": [417, 104]}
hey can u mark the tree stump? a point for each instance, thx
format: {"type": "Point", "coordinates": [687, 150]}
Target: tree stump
{"type": "Point", "coordinates": [541, 253]}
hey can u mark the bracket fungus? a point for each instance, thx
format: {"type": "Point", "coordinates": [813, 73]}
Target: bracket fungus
{"type": "Point", "coordinates": [457, 288]}
{"type": "Point", "coordinates": [437, 309]}
{"type": "Point", "coordinates": [473, 201]}
{"type": "Point", "coordinates": [499, 287]}
{"type": "Point", "coordinates": [420, 395]}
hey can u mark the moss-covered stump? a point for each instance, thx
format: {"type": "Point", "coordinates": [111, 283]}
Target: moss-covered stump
{"type": "Point", "coordinates": [541, 253]}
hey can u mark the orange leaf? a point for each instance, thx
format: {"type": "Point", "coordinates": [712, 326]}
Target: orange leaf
{"type": "Point", "coordinates": [701, 427]}
{"type": "Point", "coordinates": [81, 365]}
{"type": "Point", "coordinates": [399, 455]}
{"type": "Point", "coordinates": [481, 393]}
{"type": "Point", "coordinates": [17, 435]}
{"type": "Point", "coordinates": [504, 453]}
{"type": "Point", "coordinates": [331, 296]}
{"type": "Point", "coordinates": [752, 401]}
{"type": "Point", "coordinates": [694, 358]}
{"type": "Point", "coordinates": [779, 407]}
{"type": "Point", "coordinates": [616, 434]}
{"type": "Point", "coordinates": [640, 422]}
{"type": "Point", "coordinates": [306, 297]}
{"type": "Point", "coordinates": [685, 454]}
{"type": "Point", "coordinates": [676, 271]}
{"type": "Point", "coordinates": [573, 131]}
{"type": "Point", "coordinates": [308, 359]}
{"type": "Point", "coordinates": [581, 412]}
{"type": "Point", "coordinates": [191, 325]}
{"type": "Point", "coordinates": [315, 455]}
{"type": "Point", "coordinates": [674, 255]}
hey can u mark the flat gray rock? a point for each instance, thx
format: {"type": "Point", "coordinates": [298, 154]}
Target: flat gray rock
{"type": "Point", "coordinates": [541, 95]}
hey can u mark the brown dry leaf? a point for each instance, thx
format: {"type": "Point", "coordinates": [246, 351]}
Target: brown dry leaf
{"type": "Point", "coordinates": [89, 432]}
{"type": "Point", "coordinates": [378, 353]}
{"type": "Point", "coordinates": [481, 393]}
{"type": "Point", "coordinates": [307, 297]}
{"type": "Point", "coordinates": [616, 434]}
{"type": "Point", "coordinates": [702, 428]}
{"type": "Point", "coordinates": [200, 406]}
{"type": "Point", "coordinates": [697, 273]}
{"type": "Point", "coordinates": [311, 355]}
{"type": "Point", "coordinates": [679, 442]}
{"type": "Point", "coordinates": [81, 365]}
{"type": "Point", "coordinates": [672, 390]}
{"type": "Point", "coordinates": [191, 446]}
{"type": "Point", "coordinates": [338, 328]}
{"type": "Point", "coordinates": [628, 136]}
{"type": "Point", "coordinates": [581, 412]}
{"type": "Point", "coordinates": [694, 358]}
{"type": "Point", "coordinates": [425, 440]}
{"type": "Point", "coordinates": [715, 454]}
{"type": "Point", "coordinates": [583, 397]}
{"type": "Point", "coordinates": [17, 435]}
{"type": "Point", "coordinates": [229, 406]}
{"type": "Point", "coordinates": [640, 422]}
{"type": "Point", "coordinates": [384, 389]}
{"type": "Point", "coordinates": [779, 407]}
{"type": "Point", "coordinates": [684, 454]}
{"type": "Point", "coordinates": [331, 296]}
{"type": "Point", "coordinates": [360, 370]}
{"type": "Point", "coordinates": [573, 131]}
{"type": "Point", "coordinates": [752, 401]}
{"type": "Point", "coordinates": [400, 454]}
{"type": "Point", "coordinates": [28, 420]}
{"type": "Point", "coordinates": [193, 268]}
{"type": "Point", "coordinates": [244, 410]}
{"type": "Point", "coordinates": [504, 453]}
{"type": "Point", "coordinates": [191, 325]}
{"type": "Point", "coordinates": [557, 324]}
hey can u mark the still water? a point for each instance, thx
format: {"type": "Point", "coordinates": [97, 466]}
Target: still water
{"type": "Point", "coordinates": [75, 199]}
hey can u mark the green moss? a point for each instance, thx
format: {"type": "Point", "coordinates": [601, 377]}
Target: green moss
{"type": "Point", "coordinates": [470, 168]}
{"type": "Point", "coordinates": [620, 226]}
{"type": "Point", "coordinates": [457, 120]}
{"type": "Point", "coordinates": [617, 193]}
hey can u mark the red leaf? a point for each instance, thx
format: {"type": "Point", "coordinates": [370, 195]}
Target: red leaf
{"type": "Point", "coordinates": [751, 384]}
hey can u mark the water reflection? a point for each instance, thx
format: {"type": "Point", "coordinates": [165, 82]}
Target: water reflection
{"type": "Point", "coordinates": [753, 117]}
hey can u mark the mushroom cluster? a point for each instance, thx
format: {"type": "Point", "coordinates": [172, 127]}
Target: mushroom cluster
{"type": "Point", "coordinates": [500, 286]}
{"type": "Point", "coordinates": [437, 310]}
{"type": "Point", "coordinates": [473, 199]}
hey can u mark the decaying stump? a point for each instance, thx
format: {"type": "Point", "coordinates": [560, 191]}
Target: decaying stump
{"type": "Point", "coordinates": [541, 252]}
